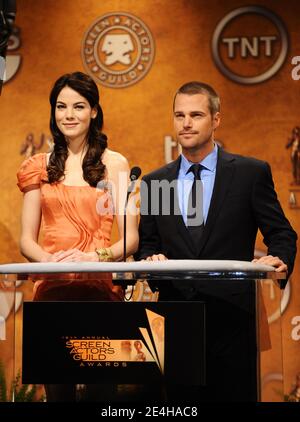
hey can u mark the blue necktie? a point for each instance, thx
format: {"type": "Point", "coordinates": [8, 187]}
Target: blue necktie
{"type": "Point", "coordinates": [195, 222]}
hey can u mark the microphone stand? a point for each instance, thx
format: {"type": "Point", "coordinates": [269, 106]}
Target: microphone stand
{"type": "Point", "coordinates": [134, 175]}
{"type": "Point", "coordinates": [130, 189]}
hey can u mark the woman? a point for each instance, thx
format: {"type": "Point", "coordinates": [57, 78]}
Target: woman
{"type": "Point", "coordinates": [68, 191]}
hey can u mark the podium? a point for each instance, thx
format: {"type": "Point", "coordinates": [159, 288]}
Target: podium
{"type": "Point", "coordinates": [215, 332]}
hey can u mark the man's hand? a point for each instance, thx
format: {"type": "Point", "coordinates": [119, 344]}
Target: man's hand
{"type": "Point", "coordinates": [159, 257]}
{"type": "Point", "coordinates": [272, 260]}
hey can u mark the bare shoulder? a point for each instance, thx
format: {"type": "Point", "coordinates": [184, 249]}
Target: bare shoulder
{"type": "Point", "coordinates": [114, 160]}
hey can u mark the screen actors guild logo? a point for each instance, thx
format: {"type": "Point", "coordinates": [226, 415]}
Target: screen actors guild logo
{"type": "Point", "coordinates": [117, 50]}
{"type": "Point", "coordinates": [250, 45]}
{"type": "Point", "coordinates": [106, 352]}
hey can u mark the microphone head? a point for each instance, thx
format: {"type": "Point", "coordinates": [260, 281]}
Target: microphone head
{"type": "Point", "coordinates": [135, 173]}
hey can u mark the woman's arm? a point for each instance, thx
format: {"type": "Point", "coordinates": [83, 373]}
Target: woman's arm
{"type": "Point", "coordinates": [30, 227]}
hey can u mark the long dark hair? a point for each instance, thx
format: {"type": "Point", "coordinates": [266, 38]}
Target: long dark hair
{"type": "Point", "coordinates": [92, 166]}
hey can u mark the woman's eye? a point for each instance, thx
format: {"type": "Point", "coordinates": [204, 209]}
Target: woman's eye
{"type": "Point", "coordinates": [60, 106]}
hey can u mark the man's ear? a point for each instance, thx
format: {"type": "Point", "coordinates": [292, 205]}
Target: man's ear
{"type": "Point", "coordinates": [216, 120]}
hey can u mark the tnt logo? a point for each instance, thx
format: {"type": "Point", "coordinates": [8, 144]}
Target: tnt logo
{"type": "Point", "coordinates": [250, 45]}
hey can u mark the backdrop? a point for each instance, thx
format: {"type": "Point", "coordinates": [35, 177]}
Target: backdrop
{"type": "Point", "coordinates": [139, 53]}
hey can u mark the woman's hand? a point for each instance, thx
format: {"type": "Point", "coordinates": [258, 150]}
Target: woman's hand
{"type": "Point", "coordinates": [48, 257]}
{"type": "Point", "coordinates": [73, 255]}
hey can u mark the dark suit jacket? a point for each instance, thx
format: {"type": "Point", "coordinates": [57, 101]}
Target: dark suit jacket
{"type": "Point", "coordinates": [243, 201]}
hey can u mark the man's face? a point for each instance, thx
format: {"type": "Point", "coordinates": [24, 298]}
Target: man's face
{"type": "Point", "coordinates": [193, 123]}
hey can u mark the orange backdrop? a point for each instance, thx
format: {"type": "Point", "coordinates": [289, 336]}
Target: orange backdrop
{"type": "Point", "coordinates": [256, 120]}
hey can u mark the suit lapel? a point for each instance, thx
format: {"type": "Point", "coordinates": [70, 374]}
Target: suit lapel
{"type": "Point", "coordinates": [224, 175]}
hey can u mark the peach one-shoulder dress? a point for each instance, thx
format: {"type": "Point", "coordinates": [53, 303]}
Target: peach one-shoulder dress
{"type": "Point", "coordinates": [69, 220]}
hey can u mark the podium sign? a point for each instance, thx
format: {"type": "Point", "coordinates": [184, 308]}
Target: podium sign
{"type": "Point", "coordinates": [113, 342]}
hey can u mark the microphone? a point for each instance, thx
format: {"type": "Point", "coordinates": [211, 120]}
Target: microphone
{"type": "Point", "coordinates": [135, 173]}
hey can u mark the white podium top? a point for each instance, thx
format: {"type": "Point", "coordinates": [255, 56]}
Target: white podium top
{"type": "Point", "coordinates": [139, 266]}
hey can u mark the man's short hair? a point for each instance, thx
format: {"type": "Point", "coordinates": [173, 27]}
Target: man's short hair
{"type": "Point", "coordinates": [194, 87]}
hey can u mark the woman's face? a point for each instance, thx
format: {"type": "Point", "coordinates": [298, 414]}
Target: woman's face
{"type": "Point", "coordinates": [73, 114]}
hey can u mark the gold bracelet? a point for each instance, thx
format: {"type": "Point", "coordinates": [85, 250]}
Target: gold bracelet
{"type": "Point", "coordinates": [104, 255]}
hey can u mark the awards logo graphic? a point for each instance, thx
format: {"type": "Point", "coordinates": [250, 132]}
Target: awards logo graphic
{"type": "Point", "coordinates": [98, 351]}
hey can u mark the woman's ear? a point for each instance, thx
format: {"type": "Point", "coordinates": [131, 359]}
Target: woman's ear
{"type": "Point", "coordinates": [94, 113]}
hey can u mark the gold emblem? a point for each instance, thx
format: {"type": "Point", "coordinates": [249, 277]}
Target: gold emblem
{"type": "Point", "coordinates": [117, 50]}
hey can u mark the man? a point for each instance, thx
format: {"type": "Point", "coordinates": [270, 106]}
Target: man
{"type": "Point", "coordinates": [238, 198]}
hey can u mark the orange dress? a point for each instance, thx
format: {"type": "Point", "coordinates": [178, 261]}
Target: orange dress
{"type": "Point", "coordinates": [69, 220]}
